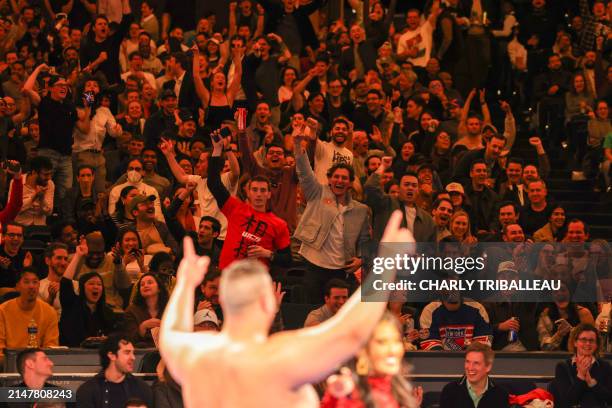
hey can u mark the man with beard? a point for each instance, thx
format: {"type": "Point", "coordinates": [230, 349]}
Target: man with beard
{"type": "Point", "coordinates": [38, 191]}
{"type": "Point", "coordinates": [71, 61]}
{"type": "Point", "coordinates": [327, 154]}
{"type": "Point", "coordinates": [154, 235]}
{"type": "Point", "coordinates": [56, 258]}
{"type": "Point", "coordinates": [417, 220]}
{"type": "Point", "coordinates": [93, 258]}
{"type": "Point", "coordinates": [209, 293]}
{"type": "Point", "coordinates": [441, 214]}
{"type": "Point", "coordinates": [115, 384]}
{"type": "Point", "coordinates": [334, 228]}
{"type": "Point", "coordinates": [150, 63]}
{"type": "Point", "coordinates": [27, 321]}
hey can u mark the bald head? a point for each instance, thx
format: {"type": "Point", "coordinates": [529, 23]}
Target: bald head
{"type": "Point", "coordinates": [243, 284]}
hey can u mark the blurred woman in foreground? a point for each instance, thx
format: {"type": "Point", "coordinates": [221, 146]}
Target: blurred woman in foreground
{"type": "Point", "coordinates": [377, 379]}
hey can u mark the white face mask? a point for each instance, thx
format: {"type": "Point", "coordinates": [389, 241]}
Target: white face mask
{"type": "Point", "coordinates": [134, 176]}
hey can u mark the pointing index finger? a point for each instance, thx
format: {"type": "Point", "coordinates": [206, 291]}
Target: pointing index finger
{"type": "Point", "coordinates": [188, 249]}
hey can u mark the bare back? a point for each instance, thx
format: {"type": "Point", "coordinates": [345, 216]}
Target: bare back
{"type": "Point", "coordinates": [221, 372]}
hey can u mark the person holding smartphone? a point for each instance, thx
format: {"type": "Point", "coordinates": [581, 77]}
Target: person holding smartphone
{"type": "Point", "coordinates": [252, 230]}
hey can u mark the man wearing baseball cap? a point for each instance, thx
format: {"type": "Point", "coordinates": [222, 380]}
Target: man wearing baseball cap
{"type": "Point", "coordinates": [154, 235]}
{"type": "Point", "coordinates": [506, 314]}
{"type": "Point", "coordinates": [457, 195]}
{"type": "Point", "coordinates": [162, 120]}
{"type": "Point", "coordinates": [206, 320]}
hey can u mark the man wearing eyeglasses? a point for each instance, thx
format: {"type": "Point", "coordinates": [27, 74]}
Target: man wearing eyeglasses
{"type": "Point", "coordinates": [12, 257]}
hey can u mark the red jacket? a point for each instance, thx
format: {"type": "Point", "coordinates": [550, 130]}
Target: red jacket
{"type": "Point", "coordinates": [15, 201]}
{"type": "Point", "coordinates": [380, 388]}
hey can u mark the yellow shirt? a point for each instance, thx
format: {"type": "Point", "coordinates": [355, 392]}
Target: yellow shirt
{"type": "Point", "coordinates": [14, 323]}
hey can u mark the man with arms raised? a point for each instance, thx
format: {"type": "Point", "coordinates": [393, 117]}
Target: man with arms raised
{"type": "Point", "coordinates": [243, 356]}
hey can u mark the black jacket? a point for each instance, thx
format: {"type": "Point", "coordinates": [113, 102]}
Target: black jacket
{"type": "Point", "coordinates": [275, 12]}
{"type": "Point", "coordinates": [455, 395]}
{"type": "Point", "coordinates": [368, 55]}
{"type": "Point", "coordinates": [569, 390]}
{"type": "Point", "coordinates": [91, 394]}
{"type": "Point", "coordinates": [77, 322]}
{"type": "Point", "coordinates": [527, 314]}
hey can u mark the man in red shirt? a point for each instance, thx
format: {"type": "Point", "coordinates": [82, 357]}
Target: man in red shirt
{"type": "Point", "coordinates": [252, 230]}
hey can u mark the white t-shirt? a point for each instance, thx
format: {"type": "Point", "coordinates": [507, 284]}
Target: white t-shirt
{"type": "Point", "coordinates": [420, 38]}
{"type": "Point", "coordinates": [207, 203]}
{"type": "Point", "coordinates": [326, 155]}
{"type": "Point", "coordinates": [43, 294]}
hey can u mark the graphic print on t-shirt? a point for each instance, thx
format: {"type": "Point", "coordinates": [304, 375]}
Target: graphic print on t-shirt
{"type": "Point", "coordinates": [254, 230]}
{"type": "Point", "coordinates": [340, 158]}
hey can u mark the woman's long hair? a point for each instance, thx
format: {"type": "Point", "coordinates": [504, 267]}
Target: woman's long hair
{"type": "Point", "coordinates": [400, 388]}
{"type": "Point", "coordinates": [162, 296]}
{"type": "Point", "coordinates": [456, 214]}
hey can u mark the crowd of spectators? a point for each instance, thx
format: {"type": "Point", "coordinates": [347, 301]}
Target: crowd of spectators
{"type": "Point", "coordinates": [289, 131]}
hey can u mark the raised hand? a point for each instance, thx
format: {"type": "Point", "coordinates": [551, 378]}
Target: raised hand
{"type": "Point", "coordinates": [278, 293]}
{"type": "Point", "coordinates": [166, 146]}
{"type": "Point", "coordinates": [393, 231]}
{"type": "Point", "coordinates": [192, 268]}
{"type": "Point", "coordinates": [82, 249]}
{"type": "Point", "coordinates": [386, 162]}
{"type": "Point", "coordinates": [376, 134]}
{"type": "Point", "coordinates": [28, 260]}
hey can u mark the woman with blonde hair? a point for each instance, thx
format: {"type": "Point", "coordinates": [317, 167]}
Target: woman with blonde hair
{"type": "Point", "coordinates": [460, 227]}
